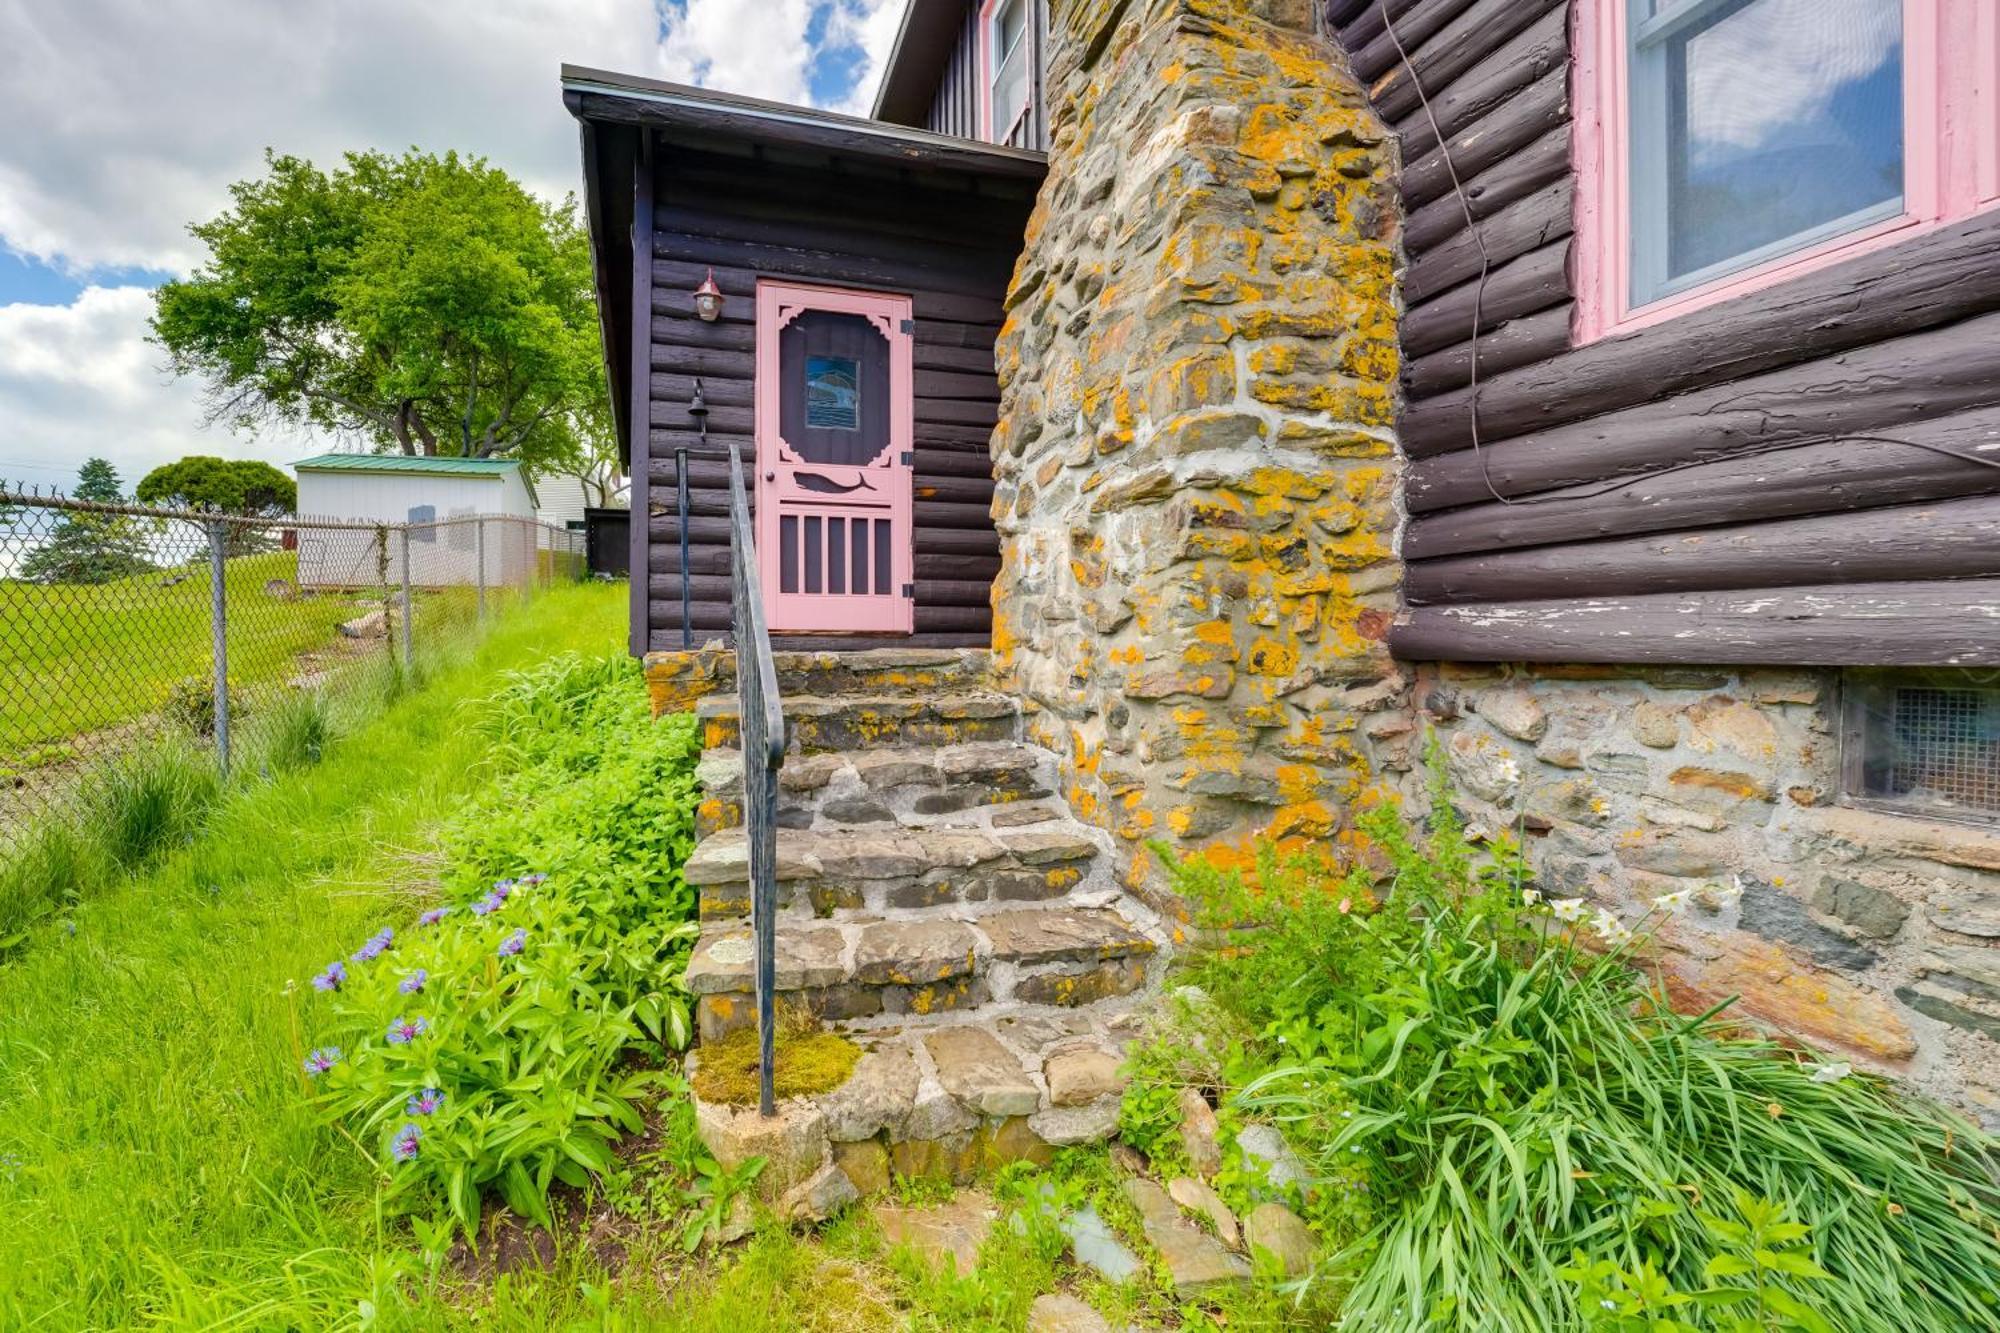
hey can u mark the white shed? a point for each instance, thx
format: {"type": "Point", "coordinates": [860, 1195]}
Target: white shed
{"type": "Point", "coordinates": [397, 488]}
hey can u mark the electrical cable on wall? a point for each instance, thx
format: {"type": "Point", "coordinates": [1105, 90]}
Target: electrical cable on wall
{"type": "Point", "coordinates": [1478, 318]}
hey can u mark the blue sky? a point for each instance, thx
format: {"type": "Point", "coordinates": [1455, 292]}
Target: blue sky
{"type": "Point", "coordinates": [128, 122]}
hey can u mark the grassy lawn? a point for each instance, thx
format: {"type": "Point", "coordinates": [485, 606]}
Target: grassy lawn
{"type": "Point", "coordinates": [157, 1159]}
{"type": "Point", "coordinates": [89, 656]}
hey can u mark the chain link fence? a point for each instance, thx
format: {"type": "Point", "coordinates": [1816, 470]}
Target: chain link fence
{"type": "Point", "coordinates": [123, 626]}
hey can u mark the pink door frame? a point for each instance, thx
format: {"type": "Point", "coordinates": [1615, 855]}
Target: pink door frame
{"type": "Point", "coordinates": [890, 480]}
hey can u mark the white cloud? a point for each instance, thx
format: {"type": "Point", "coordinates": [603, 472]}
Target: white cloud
{"type": "Point", "coordinates": [1764, 69]}
{"type": "Point", "coordinates": [79, 380]}
{"type": "Point", "coordinates": [128, 121]}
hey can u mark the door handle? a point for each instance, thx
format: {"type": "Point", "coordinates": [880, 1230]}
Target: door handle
{"type": "Point", "coordinates": [770, 476]}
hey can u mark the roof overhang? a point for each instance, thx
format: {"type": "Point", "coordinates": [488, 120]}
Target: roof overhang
{"type": "Point", "coordinates": [924, 41]}
{"type": "Point", "coordinates": [621, 116]}
{"type": "Point", "coordinates": [703, 114]}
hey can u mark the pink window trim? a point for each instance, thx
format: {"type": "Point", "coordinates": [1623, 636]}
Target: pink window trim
{"type": "Point", "coordinates": [1951, 158]}
{"type": "Point", "coordinates": [987, 69]}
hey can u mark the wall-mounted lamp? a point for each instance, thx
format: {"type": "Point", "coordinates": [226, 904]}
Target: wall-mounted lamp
{"type": "Point", "coordinates": [708, 299]}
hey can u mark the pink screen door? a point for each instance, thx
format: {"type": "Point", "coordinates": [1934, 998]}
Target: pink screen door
{"type": "Point", "coordinates": [834, 428]}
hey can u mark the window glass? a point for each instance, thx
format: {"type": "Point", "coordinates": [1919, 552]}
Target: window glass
{"type": "Point", "coordinates": [1759, 127]}
{"type": "Point", "coordinates": [1010, 65]}
{"type": "Point", "coordinates": [833, 393]}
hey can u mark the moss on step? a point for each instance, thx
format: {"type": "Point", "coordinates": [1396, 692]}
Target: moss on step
{"type": "Point", "coordinates": [808, 1063]}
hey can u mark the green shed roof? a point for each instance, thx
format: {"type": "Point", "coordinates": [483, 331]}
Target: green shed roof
{"type": "Point", "coordinates": [464, 467]}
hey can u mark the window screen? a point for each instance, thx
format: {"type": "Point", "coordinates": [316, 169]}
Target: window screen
{"type": "Point", "coordinates": [1008, 60]}
{"type": "Point", "coordinates": [1928, 743]}
{"type": "Point", "coordinates": [1759, 127]}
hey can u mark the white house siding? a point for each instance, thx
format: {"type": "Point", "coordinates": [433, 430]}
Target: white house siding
{"type": "Point", "coordinates": [562, 499]}
{"type": "Point", "coordinates": [444, 557]}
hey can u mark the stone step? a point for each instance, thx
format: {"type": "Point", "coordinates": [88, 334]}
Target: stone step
{"type": "Point", "coordinates": [847, 723]}
{"type": "Point", "coordinates": [679, 678]}
{"type": "Point", "coordinates": [826, 872]}
{"type": "Point", "coordinates": [1048, 955]}
{"type": "Point", "coordinates": [947, 1102]}
{"type": "Point", "coordinates": [892, 786]}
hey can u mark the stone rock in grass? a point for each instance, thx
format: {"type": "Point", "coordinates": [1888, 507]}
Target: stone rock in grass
{"type": "Point", "coordinates": [1196, 1261]}
{"type": "Point", "coordinates": [1197, 1197]}
{"type": "Point", "coordinates": [866, 1163]}
{"type": "Point", "coordinates": [1198, 1134]}
{"type": "Point", "coordinates": [1266, 1147]}
{"type": "Point", "coordinates": [1079, 1077]}
{"type": "Point", "coordinates": [740, 1221]}
{"type": "Point", "coordinates": [820, 1196]}
{"type": "Point", "coordinates": [984, 1075]}
{"type": "Point", "coordinates": [1059, 1312]}
{"type": "Point", "coordinates": [1067, 1126]}
{"type": "Point", "coordinates": [792, 1143]}
{"type": "Point", "coordinates": [1277, 1229]}
{"type": "Point", "coordinates": [947, 1233]}
{"type": "Point", "coordinates": [1094, 1246]}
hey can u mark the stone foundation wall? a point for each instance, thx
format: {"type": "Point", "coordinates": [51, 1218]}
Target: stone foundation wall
{"type": "Point", "coordinates": [1873, 935]}
{"type": "Point", "coordinates": [1197, 480]}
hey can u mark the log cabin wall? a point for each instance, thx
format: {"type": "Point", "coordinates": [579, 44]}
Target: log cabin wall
{"type": "Point", "coordinates": [1720, 487]}
{"type": "Point", "coordinates": [946, 240]}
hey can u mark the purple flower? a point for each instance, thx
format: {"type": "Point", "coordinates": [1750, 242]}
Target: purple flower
{"type": "Point", "coordinates": [377, 945]}
{"type": "Point", "coordinates": [404, 1145]}
{"type": "Point", "coordinates": [529, 881]}
{"type": "Point", "coordinates": [329, 980]}
{"type": "Point", "coordinates": [490, 903]}
{"type": "Point", "coordinates": [426, 1102]}
{"type": "Point", "coordinates": [414, 983]}
{"type": "Point", "coordinates": [322, 1059]}
{"type": "Point", "coordinates": [513, 944]}
{"type": "Point", "coordinates": [432, 917]}
{"type": "Point", "coordinates": [502, 888]}
{"type": "Point", "coordinates": [406, 1030]}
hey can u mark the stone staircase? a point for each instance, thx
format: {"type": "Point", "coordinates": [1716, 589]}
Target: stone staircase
{"type": "Point", "coordinates": [938, 904]}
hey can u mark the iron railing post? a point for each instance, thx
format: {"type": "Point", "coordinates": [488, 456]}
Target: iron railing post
{"type": "Point", "coordinates": [404, 534]}
{"type": "Point", "coordinates": [761, 720]}
{"type": "Point", "coordinates": [681, 483]}
{"type": "Point", "coordinates": [218, 614]}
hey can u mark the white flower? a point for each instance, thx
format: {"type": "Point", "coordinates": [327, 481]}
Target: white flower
{"type": "Point", "coordinates": [1832, 1073]}
{"type": "Point", "coordinates": [1530, 898]}
{"type": "Point", "coordinates": [1730, 896]}
{"type": "Point", "coordinates": [1674, 903]}
{"type": "Point", "coordinates": [1508, 772]}
{"type": "Point", "coordinates": [1567, 909]}
{"type": "Point", "coordinates": [1613, 931]}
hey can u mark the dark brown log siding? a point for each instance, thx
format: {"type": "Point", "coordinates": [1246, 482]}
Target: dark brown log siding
{"type": "Point", "coordinates": [955, 109]}
{"type": "Point", "coordinates": [947, 241]}
{"type": "Point", "coordinates": [1691, 492]}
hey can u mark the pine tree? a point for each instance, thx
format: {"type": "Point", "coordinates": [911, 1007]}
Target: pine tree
{"type": "Point", "coordinates": [89, 547]}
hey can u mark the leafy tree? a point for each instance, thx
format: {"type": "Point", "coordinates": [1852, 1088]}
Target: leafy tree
{"type": "Point", "coordinates": [228, 485]}
{"type": "Point", "coordinates": [90, 547]}
{"type": "Point", "coordinates": [428, 304]}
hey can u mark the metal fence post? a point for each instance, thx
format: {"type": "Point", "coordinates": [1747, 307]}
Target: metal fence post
{"type": "Point", "coordinates": [479, 549]}
{"type": "Point", "coordinates": [404, 534]}
{"type": "Point", "coordinates": [218, 614]}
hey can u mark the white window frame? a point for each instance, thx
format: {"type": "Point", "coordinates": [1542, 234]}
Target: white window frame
{"type": "Point", "coordinates": [993, 62]}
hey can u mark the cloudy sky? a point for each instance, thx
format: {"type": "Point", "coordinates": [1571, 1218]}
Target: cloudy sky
{"type": "Point", "coordinates": [126, 121]}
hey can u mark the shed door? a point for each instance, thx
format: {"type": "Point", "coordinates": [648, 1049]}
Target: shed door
{"type": "Point", "coordinates": [834, 428]}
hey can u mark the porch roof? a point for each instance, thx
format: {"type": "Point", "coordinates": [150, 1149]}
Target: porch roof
{"type": "Point", "coordinates": [622, 114]}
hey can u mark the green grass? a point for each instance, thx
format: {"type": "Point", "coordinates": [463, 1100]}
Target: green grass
{"type": "Point", "coordinates": [91, 656]}
{"type": "Point", "coordinates": [157, 1159]}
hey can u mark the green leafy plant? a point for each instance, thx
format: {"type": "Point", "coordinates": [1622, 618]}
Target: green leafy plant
{"type": "Point", "coordinates": [190, 704]}
{"type": "Point", "coordinates": [715, 1190]}
{"type": "Point", "coordinates": [1511, 1097]}
{"type": "Point", "coordinates": [492, 1044]}
{"type": "Point", "coordinates": [1760, 1247]}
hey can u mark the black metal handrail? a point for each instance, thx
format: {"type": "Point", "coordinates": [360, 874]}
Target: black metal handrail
{"type": "Point", "coordinates": [761, 720]}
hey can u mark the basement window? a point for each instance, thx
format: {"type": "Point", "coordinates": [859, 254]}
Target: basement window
{"type": "Point", "coordinates": [1922, 743]}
